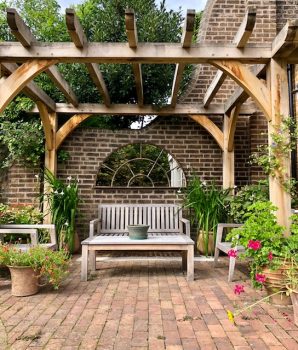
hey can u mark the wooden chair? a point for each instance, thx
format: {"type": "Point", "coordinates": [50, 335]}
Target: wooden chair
{"type": "Point", "coordinates": [220, 245]}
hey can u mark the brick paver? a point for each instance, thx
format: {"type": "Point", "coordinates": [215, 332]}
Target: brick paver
{"type": "Point", "coordinates": [143, 304]}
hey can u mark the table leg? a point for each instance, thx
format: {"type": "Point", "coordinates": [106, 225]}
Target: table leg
{"type": "Point", "coordinates": [190, 263]}
{"type": "Point", "coordinates": [92, 260]}
{"type": "Point", "coordinates": [184, 260]}
{"type": "Point", "coordinates": [84, 263]}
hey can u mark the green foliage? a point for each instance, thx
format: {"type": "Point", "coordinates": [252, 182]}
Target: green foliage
{"type": "Point", "coordinates": [52, 265]}
{"type": "Point", "coordinates": [19, 214]}
{"type": "Point", "coordinates": [245, 197]}
{"type": "Point", "coordinates": [24, 142]}
{"type": "Point", "coordinates": [272, 157]}
{"type": "Point", "coordinates": [63, 200]}
{"type": "Point", "coordinates": [63, 156]}
{"type": "Point", "coordinates": [208, 206]}
{"type": "Point", "coordinates": [261, 227]}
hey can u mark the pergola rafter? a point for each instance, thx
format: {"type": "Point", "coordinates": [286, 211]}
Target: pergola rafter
{"type": "Point", "coordinates": [23, 34]}
{"type": "Point", "coordinates": [186, 43]}
{"type": "Point", "coordinates": [240, 40]}
{"type": "Point", "coordinates": [272, 99]}
{"type": "Point", "coordinates": [78, 37]}
{"type": "Point", "coordinates": [132, 36]}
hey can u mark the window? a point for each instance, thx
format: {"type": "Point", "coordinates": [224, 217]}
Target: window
{"type": "Point", "coordinates": [140, 165]}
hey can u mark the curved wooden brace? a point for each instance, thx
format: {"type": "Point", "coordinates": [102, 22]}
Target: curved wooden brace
{"type": "Point", "coordinates": [209, 126]}
{"type": "Point", "coordinates": [232, 127]}
{"type": "Point", "coordinates": [19, 79]}
{"type": "Point", "coordinates": [68, 127]}
{"type": "Point", "coordinates": [249, 82]}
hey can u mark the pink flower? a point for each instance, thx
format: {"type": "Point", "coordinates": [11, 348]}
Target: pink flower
{"type": "Point", "coordinates": [232, 253]}
{"type": "Point", "coordinates": [260, 278]}
{"type": "Point", "coordinates": [270, 256]}
{"type": "Point", "coordinates": [255, 245]}
{"type": "Point", "coordinates": [238, 289]}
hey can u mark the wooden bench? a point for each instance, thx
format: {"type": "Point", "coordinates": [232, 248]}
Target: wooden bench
{"type": "Point", "coordinates": [168, 231]}
{"type": "Point", "coordinates": [32, 230]}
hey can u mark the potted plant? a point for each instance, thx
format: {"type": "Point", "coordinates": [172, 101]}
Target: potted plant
{"type": "Point", "coordinates": [267, 248]}
{"type": "Point", "coordinates": [208, 207]}
{"type": "Point", "coordinates": [29, 267]}
{"type": "Point", "coordinates": [63, 199]}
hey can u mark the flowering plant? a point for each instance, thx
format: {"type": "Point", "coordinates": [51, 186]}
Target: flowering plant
{"type": "Point", "coordinates": [263, 238]}
{"type": "Point", "coordinates": [63, 199]}
{"type": "Point", "coordinates": [19, 214]}
{"type": "Point", "coordinates": [51, 265]}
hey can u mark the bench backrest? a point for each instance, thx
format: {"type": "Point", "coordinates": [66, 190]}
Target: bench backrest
{"type": "Point", "coordinates": [162, 218]}
{"type": "Point", "coordinates": [25, 227]}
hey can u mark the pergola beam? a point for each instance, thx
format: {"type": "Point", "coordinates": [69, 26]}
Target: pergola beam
{"type": "Point", "coordinates": [159, 53]}
{"type": "Point", "coordinates": [240, 95]}
{"type": "Point", "coordinates": [246, 28]}
{"type": "Point", "coordinates": [23, 34]}
{"type": "Point", "coordinates": [240, 40]}
{"type": "Point", "coordinates": [286, 42]}
{"type": "Point", "coordinates": [134, 109]}
{"type": "Point", "coordinates": [132, 36]}
{"type": "Point", "coordinates": [79, 38]}
{"type": "Point", "coordinates": [31, 89]}
{"type": "Point", "coordinates": [186, 43]}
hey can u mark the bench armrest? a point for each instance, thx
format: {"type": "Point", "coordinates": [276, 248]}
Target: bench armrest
{"type": "Point", "coordinates": [220, 228]}
{"type": "Point", "coordinates": [186, 224]}
{"type": "Point", "coordinates": [92, 227]}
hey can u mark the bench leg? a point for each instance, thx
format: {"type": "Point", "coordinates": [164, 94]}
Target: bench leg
{"type": "Point", "coordinates": [92, 260]}
{"type": "Point", "coordinates": [84, 263]}
{"type": "Point", "coordinates": [216, 255]}
{"type": "Point", "coordinates": [184, 260]}
{"type": "Point", "coordinates": [231, 269]}
{"type": "Point", "coordinates": [190, 263]}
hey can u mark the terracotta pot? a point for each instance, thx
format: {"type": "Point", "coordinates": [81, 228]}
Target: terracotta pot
{"type": "Point", "coordinates": [274, 283]}
{"type": "Point", "coordinates": [201, 243]}
{"type": "Point", "coordinates": [24, 281]}
{"type": "Point", "coordinates": [294, 298]}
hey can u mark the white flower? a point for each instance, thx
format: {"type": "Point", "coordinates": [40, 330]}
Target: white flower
{"type": "Point", "coordinates": [66, 223]}
{"type": "Point", "coordinates": [56, 192]}
{"type": "Point", "coordinates": [204, 183]}
{"type": "Point", "coordinates": [36, 176]}
{"type": "Point", "coordinates": [62, 193]}
{"type": "Point", "coordinates": [69, 178]}
{"type": "Point", "coordinates": [179, 191]}
{"type": "Point", "coordinates": [78, 180]}
{"type": "Point", "coordinates": [235, 186]}
{"type": "Point", "coordinates": [68, 186]}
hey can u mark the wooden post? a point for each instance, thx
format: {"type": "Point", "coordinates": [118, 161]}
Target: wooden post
{"type": "Point", "coordinates": [280, 110]}
{"type": "Point", "coordinates": [228, 180]}
{"type": "Point", "coordinates": [50, 123]}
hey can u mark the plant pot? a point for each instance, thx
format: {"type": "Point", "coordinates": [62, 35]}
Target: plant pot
{"type": "Point", "coordinates": [201, 243]}
{"type": "Point", "coordinates": [77, 243]}
{"type": "Point", "coordinates": [274, 282]}
{"type": "Point", "coordinates": [138, 231]}
{"type": "Point", "coordinates": [294, 298]}
{"type": "Point", "coordinates": [24, 281]}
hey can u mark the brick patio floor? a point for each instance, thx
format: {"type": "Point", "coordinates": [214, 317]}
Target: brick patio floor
{"type": "Point", "coordinates": [143, 304]}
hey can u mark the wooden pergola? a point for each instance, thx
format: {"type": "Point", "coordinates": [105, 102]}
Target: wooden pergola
{"type": "Point", "coordinates": [259, 70]}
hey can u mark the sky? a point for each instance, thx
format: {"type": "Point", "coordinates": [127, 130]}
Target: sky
{"type": "Point", "coordinates": [171, 4]}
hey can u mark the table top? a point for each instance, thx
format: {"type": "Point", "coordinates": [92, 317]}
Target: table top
{"type": "Point", "coordinates": [152, 239]}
